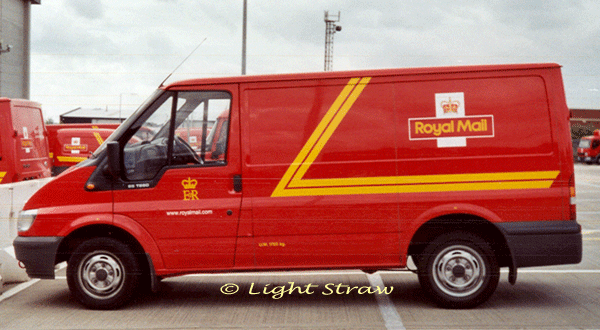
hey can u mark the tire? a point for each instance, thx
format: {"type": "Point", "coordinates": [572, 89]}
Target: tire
{"type": "Point", "coordinates": [458, 270]}
{"type": "Point", "coordinates": [103, 273]}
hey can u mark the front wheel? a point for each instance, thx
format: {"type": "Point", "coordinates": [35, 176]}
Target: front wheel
{"type": "Point", "coordinates": [103, 273]}
{"type": "Point", "coordinates": [458, 270]}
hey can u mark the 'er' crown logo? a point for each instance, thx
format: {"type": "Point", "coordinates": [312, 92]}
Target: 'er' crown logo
{"type": "Point", "coordinates": [450, 106]}
{"type": "Point", "coordinates": [189, 183]}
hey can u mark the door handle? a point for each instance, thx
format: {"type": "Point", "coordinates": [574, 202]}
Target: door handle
{"type": "Point", "coordinates": [237, 183]}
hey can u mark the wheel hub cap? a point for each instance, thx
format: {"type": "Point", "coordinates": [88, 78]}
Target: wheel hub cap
{"type": "Point", "coordinates": [459, 271]}
{"type": "Point", "coordinates": [101, 275]}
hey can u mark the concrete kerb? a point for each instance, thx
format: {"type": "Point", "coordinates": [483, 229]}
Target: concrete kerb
{"type": "Point", "coordinates": [12, 199]}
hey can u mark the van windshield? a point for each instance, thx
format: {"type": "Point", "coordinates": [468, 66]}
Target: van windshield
{"type": "Point", "coordinates": [585, 144]}
{"type": "Point", "coordinates": [127, 123]}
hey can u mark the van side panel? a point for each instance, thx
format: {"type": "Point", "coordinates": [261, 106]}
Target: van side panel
{"type": "Point", "coordinates": [337, 129]}
{"type": "Point", "coordinates": [349, 170]}
{"type": "Point", "coordinates": [511, 164]}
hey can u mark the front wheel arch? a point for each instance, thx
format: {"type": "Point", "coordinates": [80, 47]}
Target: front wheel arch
{"type": "Point", "coordinates": [80, 235]}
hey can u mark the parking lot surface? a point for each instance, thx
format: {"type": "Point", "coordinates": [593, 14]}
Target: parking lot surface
{"type": "Point", "coordinates": [560, 297]}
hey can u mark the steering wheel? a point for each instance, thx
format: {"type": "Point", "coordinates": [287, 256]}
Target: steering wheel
{"type": "Point", "coordinates": [186, 148]}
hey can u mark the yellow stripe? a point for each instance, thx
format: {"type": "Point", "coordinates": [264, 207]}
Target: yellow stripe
{"type": "Point", "coordinates": [426, 179]}
{"type": "Point", "coordinates": [333, 125]}
{"type": "Point", "coordinates": [2, 174]}
{"type": "Point", "coordinates": [397, 189]}
{"type": "Point", "coordinates": [293, 184]}
{"type": "Point", "coordinates": [98, 138]}
{"type": "Point", "coordinates": [315, 135]}
{"type": "Point", "coordinates": [68, 159]}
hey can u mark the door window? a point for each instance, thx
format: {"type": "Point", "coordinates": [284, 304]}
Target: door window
{"type": "Point", "coordinates": [197, 135]}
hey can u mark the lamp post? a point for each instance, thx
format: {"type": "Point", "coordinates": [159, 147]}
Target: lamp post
{"type": "Point", "coordinates": [244, 20]}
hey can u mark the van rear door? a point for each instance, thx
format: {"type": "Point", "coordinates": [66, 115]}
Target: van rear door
{"type": "Point", "coordinates": [184, 196]}
{"type": "Point", "coordinates": [31, 145]}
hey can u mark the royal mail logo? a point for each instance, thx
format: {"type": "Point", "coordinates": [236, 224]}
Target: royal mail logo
{"type": "Point", "coordinates": [469, 126]}
{"type": "Point", "coordinates": [189, 183]}
{"type": "Point", "coordinates": [26, 143]}
{"type": "Point", "coordinates": [450, 127]}
{"type": "Point", "coordinates": [79, 147]}
{"type": "Point", "coordinates": [450, 106]}
{"type": "Point", "coordinates": [189, 189]}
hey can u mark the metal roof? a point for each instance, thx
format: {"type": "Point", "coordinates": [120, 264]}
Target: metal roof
{"type": "Point", "coordinates": [98, 113]}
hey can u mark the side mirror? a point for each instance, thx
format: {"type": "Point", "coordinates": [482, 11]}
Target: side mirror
{"type": "Point", "coordinates": [114, 158]}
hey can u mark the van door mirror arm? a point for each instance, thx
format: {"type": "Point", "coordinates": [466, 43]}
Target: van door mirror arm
{"type": "Point", "coordinates": [114, 158]}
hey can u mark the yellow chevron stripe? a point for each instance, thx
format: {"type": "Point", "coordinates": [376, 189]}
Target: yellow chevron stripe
{"type": "Point", "coordinates": [98, 138]}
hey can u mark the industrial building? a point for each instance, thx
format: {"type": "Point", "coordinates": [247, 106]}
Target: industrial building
{"type": "Point", "coordinates": [15, 29]}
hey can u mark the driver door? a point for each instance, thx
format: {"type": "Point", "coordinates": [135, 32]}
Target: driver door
{"type": "Point", "coordinates": [178, 177]}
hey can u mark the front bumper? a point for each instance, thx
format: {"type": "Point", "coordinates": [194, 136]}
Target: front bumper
{"type": "Point", "coordinates": [543, 243]}
{"type": "Point", "coordinates": [38, 254]}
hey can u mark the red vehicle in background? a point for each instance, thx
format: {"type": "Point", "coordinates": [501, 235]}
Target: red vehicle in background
{"type": "Point", "coordinates": [23, 141]}
{"type": "Point", "coordinates": [589, 148]}
{"type": "Point", "coordinates": [74, 143]}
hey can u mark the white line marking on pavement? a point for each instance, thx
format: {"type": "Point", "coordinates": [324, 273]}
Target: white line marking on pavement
{"type": "Point", "coordinates": [556, 271]}
{"type": "Point", "coordinates": [386, 307]}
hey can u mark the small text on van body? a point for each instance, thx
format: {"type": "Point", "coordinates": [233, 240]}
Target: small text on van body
{"type": "Point", "coordinates": [329, 289]}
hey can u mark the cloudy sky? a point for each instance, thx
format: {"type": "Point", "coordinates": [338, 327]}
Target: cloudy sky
{"type": "Point", "coordinates": [111, 53]}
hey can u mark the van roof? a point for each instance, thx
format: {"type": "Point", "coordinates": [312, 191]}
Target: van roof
{"type": "Point", "coordinates": [358, 73]}
{"type": "Point", "coordinates": [20, 102]}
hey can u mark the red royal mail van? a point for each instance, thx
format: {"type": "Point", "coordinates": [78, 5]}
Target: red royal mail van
{"type": "Point", "coordinates": [70, 146]}
{"type": "Point", "coordinates": [336, 170]}
{"type": "Point", "coordinates": [589, 148]}
{"type": "Point", "coordinates": [23, 141]}
{"type": "Point", "coordinates": [73, 143]}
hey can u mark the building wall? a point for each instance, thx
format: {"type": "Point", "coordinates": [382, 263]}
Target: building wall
{"type": "Point", "coordinates": [14, 31]}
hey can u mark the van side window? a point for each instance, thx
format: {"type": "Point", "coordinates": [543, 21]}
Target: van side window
{"type": "Point", "coordinates": [595, 144]}
{"type": "Point", "coordinates": [200, 124]}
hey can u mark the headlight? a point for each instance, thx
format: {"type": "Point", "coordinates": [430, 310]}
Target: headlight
{"type": "Point", "coordinates": [26, 219]}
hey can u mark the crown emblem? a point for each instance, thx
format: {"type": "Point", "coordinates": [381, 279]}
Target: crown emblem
{"type": "Point", "coordinates": [189, 183]}
{"type": "Point", "coordinates": [450, 106]}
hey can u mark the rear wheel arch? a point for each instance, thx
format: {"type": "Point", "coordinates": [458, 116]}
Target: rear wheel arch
{"type": "Point", "coordinates": [458, 270]}
{"type": "Point", "coordinates": [469, 223]}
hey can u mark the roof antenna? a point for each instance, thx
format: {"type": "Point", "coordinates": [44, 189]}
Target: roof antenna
{"type": "Point", "coordinates": [185, 59]}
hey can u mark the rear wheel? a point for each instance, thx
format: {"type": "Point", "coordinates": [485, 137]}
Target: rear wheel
{"type": "Point", "coordinates": [458, 270]}
{"type": "Point", "coordinates": [103, 273]}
